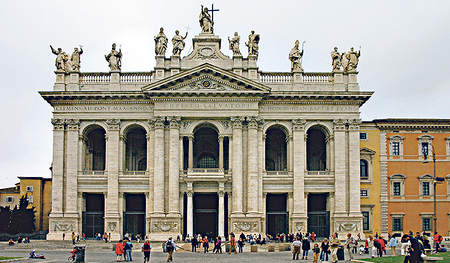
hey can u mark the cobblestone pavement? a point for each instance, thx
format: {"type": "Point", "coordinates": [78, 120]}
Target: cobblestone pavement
{"type": "Point", "coordinates": [58, 251]}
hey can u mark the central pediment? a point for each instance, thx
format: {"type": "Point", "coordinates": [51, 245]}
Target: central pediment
{"type": "Point", "coordinates": [206, 80]}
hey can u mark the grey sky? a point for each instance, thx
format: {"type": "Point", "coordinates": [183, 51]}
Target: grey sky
{"type": "Point", "coordinates": [404, 53]}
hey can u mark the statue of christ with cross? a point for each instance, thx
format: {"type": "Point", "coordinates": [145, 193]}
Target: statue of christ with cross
{"type": "Point", "coordinates": [206, 20]}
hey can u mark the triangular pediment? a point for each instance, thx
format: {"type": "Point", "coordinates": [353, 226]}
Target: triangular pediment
{"type": "Point", "coordinates": [367, 151]}
{"type": "Point", "coordinates": [206, 79]}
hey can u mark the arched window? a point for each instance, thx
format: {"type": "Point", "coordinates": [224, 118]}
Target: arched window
{"type": "Point", "coordinates": [276, 150]}
{"type": "Point", "coordinates": [364, 169]}
{"type": "Point", "coordinates": [94, 148]}
{"type": "Point", "coordinates": [316, 150]}
{"type": "Point", "coordinates": [136, 149]}
{"type": "Point", "coordinates": [206, 147]}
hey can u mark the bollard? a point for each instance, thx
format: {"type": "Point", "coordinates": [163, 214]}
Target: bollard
{"type": "Point", "coordinates": [254, 248]}
{"type": "Point", "coordinates": [271, 248]}
{"type": "Point", "coordinates": [287, 247]}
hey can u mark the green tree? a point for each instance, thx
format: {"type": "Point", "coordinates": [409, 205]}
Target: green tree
{"type": "Point", "coordinates": [5, 218]}
{"type": "Point", "coordinates": [22, 218]}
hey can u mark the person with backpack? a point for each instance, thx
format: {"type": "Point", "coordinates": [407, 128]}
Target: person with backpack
{"type": "Point", "coordinates": [170, 248]}
{"type": "Point", "coordinates": [146, 248]}
{"type": "Point", "coordinates": [128, 248]}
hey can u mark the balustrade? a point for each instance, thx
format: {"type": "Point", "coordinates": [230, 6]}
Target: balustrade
{"type": "Point", "coordinates": [276, 77]}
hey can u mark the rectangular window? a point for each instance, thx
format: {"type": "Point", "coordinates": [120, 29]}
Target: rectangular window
{"type": "Point", "coordinates": [425, 148]}
{"type": "Point", "coordinates": [364, 192]}
{"type": "Point", "coordinates": [10, 199]}
{"type": "Point", "coordinates": [426, 224]}
{"type": "Point", "coordinates": [363, 135]}
{"type": "Point", "coordinates": [397, 224]}
{"type": "Point", "coordinates": [29, 188]}
{"type": "Point", "coordinates": [366, 220]}
{"type": "Point", "coordinates": [426, 188]}
{"type": "Point", "coordinates": [30, 199]}
{"type": "Point", "coordinates": [395, 148]}
{"type": "Point", "coordinates": [396, 186]}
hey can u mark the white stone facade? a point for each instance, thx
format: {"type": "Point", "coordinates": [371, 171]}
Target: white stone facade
{"type": "Point", "coordinates": [209, 89]}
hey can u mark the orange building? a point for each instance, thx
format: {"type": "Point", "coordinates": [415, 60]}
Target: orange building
{"type": "Point", "coordinates": [407, 179]}
{"type": "Point", "coordinates": [38, 191]}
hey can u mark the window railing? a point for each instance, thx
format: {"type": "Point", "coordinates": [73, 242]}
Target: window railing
{"type": "Point", "coordinates": [277, 172]}
{"type": "Point", "coordinates": [90, 172]}
{"type": "Point", "coordinates": [318, 172]}
{"type": "Point", "coordinates": [134, 173]}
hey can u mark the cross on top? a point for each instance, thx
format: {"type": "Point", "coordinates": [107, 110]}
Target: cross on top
{"type": "Point", "coordinates": [212, 10]}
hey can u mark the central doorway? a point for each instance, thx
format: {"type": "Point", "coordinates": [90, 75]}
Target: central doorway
{"type": "Point", "coordinates": [93, 217]}
{"type": "Point", "coordinates": [206, 214]}
{"type": "Point", "coordinates": [134, 215]}
{"type": "Point", "coordinates": [318, 216]}
{"type": "Point", "coordinates": [277, 215]}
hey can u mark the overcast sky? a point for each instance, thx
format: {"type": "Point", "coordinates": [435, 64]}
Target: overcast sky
{"type": "Point", "coordinates": [404, 59]}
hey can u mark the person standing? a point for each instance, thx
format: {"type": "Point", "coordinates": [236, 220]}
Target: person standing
{"type": "Point", "coordinates": [128, 249]}
{"type": "Point", "coordinates": [64, 235]}
{"type": "Point", "coordinates": [334, 244]}
{"type": "Point", "coordinates": [414, 250]}
{"type": "Point", "coordinates": [296, 244]}
{"type": "Point", "coordinates": [241, 245]}
{"type": "Point", "coordinates": [194, 244]}
{"type": "Point", "coordinates": [232, 244]}
{"type": "Point", "coordinates": [146, 248]}
{"type": "Point", "coordinates": [306, 246]}
{"type": "Point", "coordinates": [119, 250]}
{"type": "Point", "coordinates": [370, 245]}
{"type": "Point", "coordinates": [205, 244]}
{"type": "Point", "coordinates": [219, 245]}
{"type": "Point", "coordinates": [170, 248]}
{"type": "Point", "coordinates": [437, 240]}
{"type": "Point", "coordinates": [161, 43]}
{"type": "Point", "coordinates": [316, 251]}
{"type": "Point", "coordinates": [350, 244]}
{"type": "Point", "coordinates": [74, 237]}
{"type": "Point", "coordinates": [393, 244]}
{"type": "Point", "coordinates": [325, 246]}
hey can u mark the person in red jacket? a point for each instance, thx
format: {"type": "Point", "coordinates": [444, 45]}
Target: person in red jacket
{"type": "Point", "coordinates": [232, 244]}
{"type": "Point", "coordinates": [119, 251]}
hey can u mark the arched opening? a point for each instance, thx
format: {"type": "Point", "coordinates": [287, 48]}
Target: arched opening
{"type": "Point", "coordinates": [276, 150]}
{"type": "Point", "coordinates": [136, 149]}
{"type": "Point", "coordinates": [316, 149]}
{"type": "Point", "coordinates": [206, 148]}
{"type": "Point", "coordinates": [95, 149]}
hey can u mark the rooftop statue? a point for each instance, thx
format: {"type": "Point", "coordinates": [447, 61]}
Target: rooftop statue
{"type": "Point", "coordinates": [205, 20]}
{"type": "Point", "coordinates": [351, 60]}
{"type": "Point", "coordinates": [114, 58]}
{"type": "Point", "coordinates": [234, 44]}
{"type": "Point", "coordinates": [178, 43]}
{"type": "Point", "coordinates": [295, 57]}
{"type": "Point", "coordinates": [75, 58]}
{"type": "Point", "coordinates": [62, 59]}
{"type": "Point", "coordinates": [336, 59]}
{"type": "Point", "coordinates": [253, 42]}
{"type": "Point", "coordinates": [161, 43]}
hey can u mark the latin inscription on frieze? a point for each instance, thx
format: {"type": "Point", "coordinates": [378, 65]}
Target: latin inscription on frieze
{"type": "Point", "coordinates": [308, 108]}
{"type": "Point", "coordinates": [104, 108]}
{"type": "Point", "coordinates": [206, 106]}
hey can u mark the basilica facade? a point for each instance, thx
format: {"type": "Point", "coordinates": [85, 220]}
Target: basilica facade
{"type": "Point", "coordinates": [205, 143]}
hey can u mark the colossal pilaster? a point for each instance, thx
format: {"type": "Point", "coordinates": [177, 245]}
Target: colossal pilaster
{"type": "Point", "coordinates": [252, 183]}
{"type": "Point", "coordinates": [72, 126]}
{"type": "Point", "coordinates": [299, 214]}
{"type": "Point", "coordinates": [159, 167]}
{"type": "Point", "coordinates": [174, 166]}
{"type": "Point", "coordinates": [237, 165]}
{"type": "Point", "coordinates": [354, 172]}
{"type": "Point", "coordinates": [340, 184]}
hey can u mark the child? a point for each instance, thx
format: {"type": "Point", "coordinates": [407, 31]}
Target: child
{"type": "Point", "coordinates": [361, 249]}
{"type": "Point", "coordinates": [316, 251]}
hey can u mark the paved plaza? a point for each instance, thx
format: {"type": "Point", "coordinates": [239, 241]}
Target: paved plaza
{"type": "Point", "coordinates": [96, 251]}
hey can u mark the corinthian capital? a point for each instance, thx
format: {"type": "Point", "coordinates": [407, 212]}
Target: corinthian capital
{"type": "Point", "coordinates": [113, 124]}
{"type": "Point", "coordinates": [254, 122]}
{"type": "Point", "coordinates": [237, 122]}
{"type": "Point", "coordinates": [353, 124]}
{"type": "Point", "coordinates": [174, 122]}
{"type": "Point", "coordinates": [58, 124]}
{"type": "Point", "coordinates": [73, 124]}
{"type": "Point", "coordinates": [339, 124]}
{"type": "Point", "coordinates": [298, 124]}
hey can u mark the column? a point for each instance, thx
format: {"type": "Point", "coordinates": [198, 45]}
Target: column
{"type": "Point", "coordinates": [354, 162]}
{"type": "Point", "coordinates": [339, 167]}
{"type": "Point", "coordinates": [158, 206]}
{"type": "Point", "coordinates": [291, 209]}
{"type": "Point", "coordinates": [289, 153]}
{"type": "Point", "coordinates": [298, 131]}
{"type": "Point", "coordinates": [112, 168]}
{"type": "Point", "coordinates": [190, 214]}
{"type": "Point", "coordinates": [72, 126]}
{"type": "Point", "coordinates": [181, 155]}
{"type": "Point", "coordinates": [252, 183]}
{"type": "Point", "coordinates": [230, 153]}
{"type": "Point", "coordinates": [58, 167]}
{"type": "Point", "coordinates": [191, 152]}
{"type": "Point", "coordinates": [221, 213]}
{"type": "Point", "coordinates": [221, 152]}
{"type": "Point", "coordinates": [150, 165]}
{"type": "Point", "coordinates": [237, 165]}
{"type": "Point", "coordinates": [174, 166]}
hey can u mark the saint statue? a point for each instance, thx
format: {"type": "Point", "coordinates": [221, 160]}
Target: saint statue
{"type": "Point", "coordinates": [253, 42]}
{"type": "Point", "coordinates": [295, 57]}
{"type": "Point", "coordinates": [234, 44]}
{"type": "Point", "coordinates": [75, 58]}
{"type": "Point", "coordinates": [114, 58]}
{"type": "Point", "coordinates": [336, 59]}
{"type": "Point", "coordinates": [161, 43]}
{"type": "Point", "coordinates": [351, 60]}
{"type": "Point", "coordinates": [205, 20]}
{"type": "Point", "coordinates": [62, 59]}
{"type": "Point", "coordinates": [178, 43]}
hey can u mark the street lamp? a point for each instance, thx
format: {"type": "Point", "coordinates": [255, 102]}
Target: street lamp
{"type": "Point", "coordinates": [435, 180]}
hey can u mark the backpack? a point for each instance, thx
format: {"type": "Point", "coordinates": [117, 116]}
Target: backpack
{"type": "Point", "coordinates": [376, 244]}
{"type": "Point", "coordinates": [146, 246]}
{"type": "Point", "coordinates": [169, 246]}
{"type": "Point", "coordinates": [440, 238]}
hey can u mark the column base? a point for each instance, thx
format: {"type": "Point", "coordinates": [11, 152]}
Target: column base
{"type": "Point", "coordinates": [344, 225]}
{"type": "Point", "coordinates": [162, 227]}
{"type": "Point", "coordinates": [59, 225]}
{"type": "Point", "coordinates": [247, 224]}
